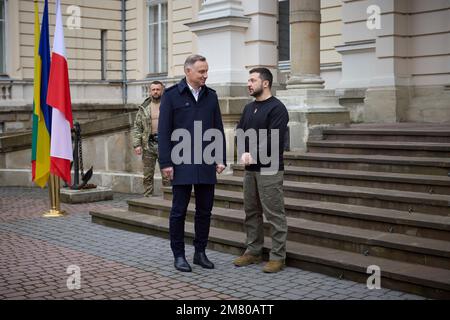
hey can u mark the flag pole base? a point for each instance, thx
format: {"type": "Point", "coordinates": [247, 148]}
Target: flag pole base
{"type": "Point", "coordinates": [55, 203]}
{"type": "Point", "coordinates": [53, 213]}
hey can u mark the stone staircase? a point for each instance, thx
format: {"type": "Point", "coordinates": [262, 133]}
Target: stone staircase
{"type": "Point", "coordinates": [362, 196]}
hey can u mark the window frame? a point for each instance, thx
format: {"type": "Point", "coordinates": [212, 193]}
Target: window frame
{"type": "Point", "coordinates": [162, 66]}
{"type": "Point", "coordinates": [286, 62]}
{"type": "Point", "coordinates": [3, 33]}
{"type": "Point", "coordinates": [103, 54]}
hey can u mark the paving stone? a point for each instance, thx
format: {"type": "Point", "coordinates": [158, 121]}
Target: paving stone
{"type": "Point", "coordinates": [323, 293]}
{"type": "Point", "coordinates": [238, 294]}
{"type": "Point", "coordinates": [340, 291]}
{"type": "Point", "coordinates": [357, 295]}
{"type": "Point", "coordinates": [338, 297]}
{"type": "Point", "coordinates": [117, 264]}
{"type": "Point", "coordinates": [312, 296]}
{"type": "Point", "coordinates": [291, 296]}
{"type": "Point", "coordinates": [410, 297]}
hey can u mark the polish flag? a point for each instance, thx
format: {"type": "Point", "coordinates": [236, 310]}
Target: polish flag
{"type": "Point", "coordinates": [58, 97]}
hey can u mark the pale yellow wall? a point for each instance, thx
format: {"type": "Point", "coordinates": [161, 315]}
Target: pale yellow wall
{"type": "Point", "coordinates": [428, 48]}
{"type": "Point", "coordinates": [183, 42]}
{"type": "Point", "coordinates": [82, 45]}
{"type": "Point", "coordinates": [13, 62]}
{"type": "Point", "coordinates": [131, 37]}
{"type": "Point", "coordinates": [426, 42]}
{"type": "Point", "coordinates": [330, 31]}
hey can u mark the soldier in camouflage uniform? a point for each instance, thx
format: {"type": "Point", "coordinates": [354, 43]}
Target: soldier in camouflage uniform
{"type": "Point", "coordinates": [145, 135]}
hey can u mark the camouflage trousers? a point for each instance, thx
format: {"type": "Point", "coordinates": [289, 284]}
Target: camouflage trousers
{"type": "Point", "coordinates": [264, 194]}
{"type": "Point", "coordinates": [149, 158]}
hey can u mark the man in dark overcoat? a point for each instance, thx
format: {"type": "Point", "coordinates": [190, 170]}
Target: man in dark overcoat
{"type": "Point", "coordinates": [191, 152]}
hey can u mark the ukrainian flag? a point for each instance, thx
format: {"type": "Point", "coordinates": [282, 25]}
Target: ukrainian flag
{"type": "Point", "coordinates": [42, 113]}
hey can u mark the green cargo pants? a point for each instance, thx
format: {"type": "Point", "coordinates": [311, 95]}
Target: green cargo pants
{"type": "Point", "coordinates": [264, 194]}
{"type": "Point", "coordinates": [149, 158]}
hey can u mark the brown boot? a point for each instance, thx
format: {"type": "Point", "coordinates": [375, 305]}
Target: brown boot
{"type": "Point", "coordinates": [273, 266]}
{"type": "Point", "coordinates": [246, 260]}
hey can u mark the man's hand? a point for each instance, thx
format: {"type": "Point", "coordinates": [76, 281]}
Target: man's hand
{"type": "Point", "coordinates": [246, 159]}
{"type": "Point", "coordinates": [168, 172]}
{"type": "Point", "coordinates": [220, 168]}
{"type": "Point", "coordinates": [138, 151]}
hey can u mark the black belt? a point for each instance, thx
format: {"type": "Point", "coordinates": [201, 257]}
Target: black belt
{"type": "Point", "coordinates": [153, 137]}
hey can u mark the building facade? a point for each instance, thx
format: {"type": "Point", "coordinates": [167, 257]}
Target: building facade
{"type": "Point", "coordinates": [380, 60]}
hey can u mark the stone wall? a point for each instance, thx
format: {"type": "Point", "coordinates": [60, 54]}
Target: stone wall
{"type": "Point", "coordinates": [429, 104]}
{"type": "Point", "coordinates": [107, 147]}
{"type": "Point", "coordinates": [14, 119]}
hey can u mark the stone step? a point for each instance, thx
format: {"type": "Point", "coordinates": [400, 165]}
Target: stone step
{"type": "Point", "coordinates": [414, 278]}
{"type": "Point", "coordinates": [371, 218]}
{"type": "Point", "coordinates": [370, 197]}
{"type": "Point", "coordinates": [377, 163]}
{"type": "Point", "coordinates": [399, 181]}
{"type": "Point", "coordinates": [392, 148]}
{"type": "Point", "coordinates": [388, 134]}
{"type": "Point", "coordinates": [396, 246]}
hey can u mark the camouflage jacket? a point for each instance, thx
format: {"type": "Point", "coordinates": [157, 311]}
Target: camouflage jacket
{"type": "Point", "coordinates": [142, 125]}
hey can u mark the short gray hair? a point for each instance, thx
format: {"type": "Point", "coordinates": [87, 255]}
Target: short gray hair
{"type": "Point", "coordinates": [193, 58]}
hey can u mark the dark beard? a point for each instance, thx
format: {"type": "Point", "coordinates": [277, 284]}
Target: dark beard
{"type": "Point", "coordinates": [258, 92]}
{"type": "Point", "coordinates": [156, 99]}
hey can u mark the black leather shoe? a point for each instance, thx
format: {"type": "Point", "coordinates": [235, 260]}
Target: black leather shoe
{"type": "Point", "coordinates": [201, 259]}
{"type": "Point", "coordinates": [181, 264]}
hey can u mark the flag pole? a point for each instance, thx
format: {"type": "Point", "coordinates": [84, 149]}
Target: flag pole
{"type": "Point", "coordinates": [55, 203]}
{"type": "Point", "coordinates": [58, 98]}
{"type": "Point", "coordinates": [40, 154]}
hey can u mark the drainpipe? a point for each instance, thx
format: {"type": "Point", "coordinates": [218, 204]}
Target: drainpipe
{"type": "Point", "coordinates": [124, 56]}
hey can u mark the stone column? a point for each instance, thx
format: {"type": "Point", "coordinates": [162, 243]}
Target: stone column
{"type": "Point", "coordinates": [388, 94]}
{"type": "Point", "coordinates": [304, 19]}
{"type": "Point", "coordinates": [311, 108]}
{"type": "Point", "coordinates": [221, 30]}
{"type": "Point", "coordinates": [261, 36]}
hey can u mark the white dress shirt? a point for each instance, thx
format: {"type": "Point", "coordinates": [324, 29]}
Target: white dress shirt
{"type": "Point", "coordinates": [195, 93]}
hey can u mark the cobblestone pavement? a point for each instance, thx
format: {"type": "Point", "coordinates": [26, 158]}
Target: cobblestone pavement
{"type": "Point", "coordinates": [35, 253]}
